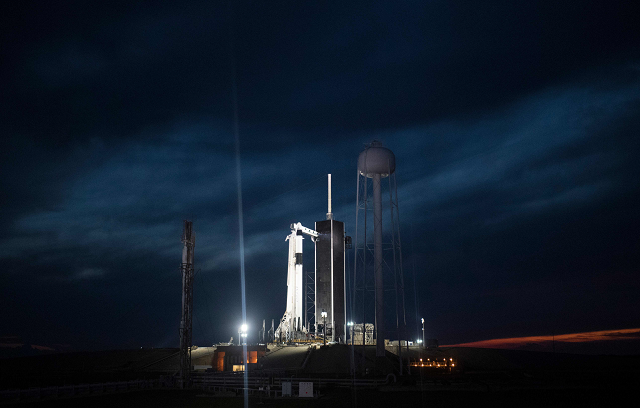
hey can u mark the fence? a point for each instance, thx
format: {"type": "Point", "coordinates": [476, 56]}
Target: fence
{"type": "Point", "coordinates": [269, 387]}
{"type": "Point", "coordinates": [78, 390]}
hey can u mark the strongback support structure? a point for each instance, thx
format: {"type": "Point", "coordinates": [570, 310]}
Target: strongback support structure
{"type": "Point", "coordinates": [189, 241]}
{"type": "Point", "coordinates": [378, 259]}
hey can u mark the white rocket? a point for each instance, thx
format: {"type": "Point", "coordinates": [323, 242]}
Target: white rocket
{"type": "Point", "coordinates": [293, 319]}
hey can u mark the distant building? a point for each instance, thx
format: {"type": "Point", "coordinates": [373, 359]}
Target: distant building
{"type": "Point", "coordinates": [357, 334]}
{"type": "Point", "coordinates": [232, 358]}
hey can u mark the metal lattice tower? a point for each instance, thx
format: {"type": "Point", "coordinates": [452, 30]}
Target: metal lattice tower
{"type": "Point", "coordinates": [377, 269]}
{"type": "Point", "coordinates": [186, 267]}
{"type": "Point", "coordinates": [310, 301]}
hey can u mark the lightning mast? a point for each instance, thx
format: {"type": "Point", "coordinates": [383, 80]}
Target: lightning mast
{"type": "Point", "coordinates": [186, 267]}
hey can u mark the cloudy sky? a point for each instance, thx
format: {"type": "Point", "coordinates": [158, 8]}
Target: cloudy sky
{"type": "Point", "coordinates": [514, 125]}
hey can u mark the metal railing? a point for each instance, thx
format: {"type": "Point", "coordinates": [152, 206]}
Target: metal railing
{"type": "Point", "coordinates": [270, 387]}
{"type": "Point", "coordinates": [68, 391]}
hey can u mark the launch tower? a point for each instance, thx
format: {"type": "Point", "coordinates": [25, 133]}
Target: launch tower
{"type": "Point", "coordinates": [330, 276]}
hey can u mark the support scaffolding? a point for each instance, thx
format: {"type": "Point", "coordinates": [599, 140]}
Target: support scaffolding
{"type": "Point", "coordinates": [310, 302]}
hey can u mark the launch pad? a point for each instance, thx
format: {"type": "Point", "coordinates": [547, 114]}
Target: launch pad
{"type": "Point", "coordinates": [316, 307]}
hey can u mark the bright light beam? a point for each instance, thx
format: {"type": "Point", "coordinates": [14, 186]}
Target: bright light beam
{"type": "Point", "coordinates": [241, 243]}
{"type": "Point", "coordinates": [236, 131]}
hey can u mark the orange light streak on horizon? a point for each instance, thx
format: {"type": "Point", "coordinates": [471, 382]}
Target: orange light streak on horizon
{"type": "Point", "coordinates": [602, 335]}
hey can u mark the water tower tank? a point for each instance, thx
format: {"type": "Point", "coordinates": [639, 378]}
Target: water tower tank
{"type": "Point", "coordinates": [376, 159]}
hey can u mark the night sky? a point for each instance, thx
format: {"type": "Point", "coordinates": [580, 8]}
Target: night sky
{"type": "Point", "coordinates": [514, 125]}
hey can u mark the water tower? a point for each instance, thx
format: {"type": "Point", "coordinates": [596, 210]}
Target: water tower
{"type": "Point", "coordinates": [377, 275]}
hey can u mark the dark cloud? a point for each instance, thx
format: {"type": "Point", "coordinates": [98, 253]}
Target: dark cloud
{"type": "Point", "coordinates": [514, 126]}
